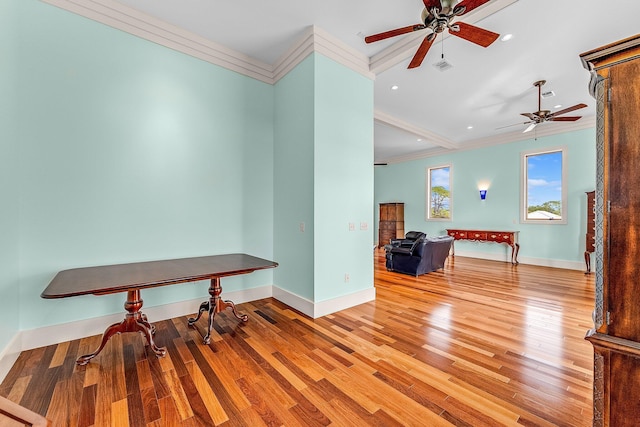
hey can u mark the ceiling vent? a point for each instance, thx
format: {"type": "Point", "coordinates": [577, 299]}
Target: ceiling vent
{"type": "Point", "coordinates": [548, 94]}
{"type": "Point", "coordinates": [443, 65]}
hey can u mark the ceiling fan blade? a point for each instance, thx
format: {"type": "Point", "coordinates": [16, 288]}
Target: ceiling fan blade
{"type": "Point", "coordinates": [515, 124]}
{"type": "Point", "coordinates": [421, 52]}
{"type": "Point", "coordinates": [529, 115]}
{"type": "Point", "coordinates": [530, 128]}
{"type": "Point", "coordinates": [565, 119]}
{"type": "Point", "coordinates": [568, 110]}
{"type": "Point", "coordinates": [429, 4]}
{"type": "Point", "coordinates": [474, 34]}
{"type": "Point", "coordinates": [469, 5]}
{"type": "Point", "coordinates": [393, 33]}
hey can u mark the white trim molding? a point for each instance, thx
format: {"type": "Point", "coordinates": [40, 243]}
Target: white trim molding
{"type": "Point", "coordinates": [434, 138]}
{"type": "Point", "coordinates": [316, 39]}
{"type": "Point", "coordinates": [506, 257]}
{"type": "Point", "coordinates": [546, 129]}
{"type": "Point", "coordinates": [322, 308]}
{"type": "Point", "coordinates": [9, 355]}
{"type": "Point", "coordinates": [132, 21]}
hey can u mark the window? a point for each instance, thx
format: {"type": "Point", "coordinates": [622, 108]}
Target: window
{"type": "Point", "coordinates": [544, 193]}
{"type": "Point", "coordinates": [439, 195]}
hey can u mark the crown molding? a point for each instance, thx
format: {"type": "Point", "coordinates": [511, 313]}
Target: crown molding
{"type": "Point", "coordinates": [318, 40]}
{"type": "Point", "coordinates": [132, 21]}
{"type": "Point", "coordinates": [543, 130]}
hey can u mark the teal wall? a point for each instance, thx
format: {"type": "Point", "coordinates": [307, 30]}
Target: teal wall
{"type": "Point", "coordinates": [500, 164]}
{"type": "Point", "coordinates": [116, 149]}
{"type": "Point", "coordinates": [9, 170]}
{"type": "Point", "coordinates": [129, 152]}
{"type": "Point", "coordinates": [293, 180]}
{"type": "Point", "coordinates": [344, 194]}
{"type": "Point", "coordinates": [324, 179]}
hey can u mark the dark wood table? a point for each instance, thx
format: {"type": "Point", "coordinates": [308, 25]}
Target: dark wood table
{"type": "Point", "coordinates": [132, 278]}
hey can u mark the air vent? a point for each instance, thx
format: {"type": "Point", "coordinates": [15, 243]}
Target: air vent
{"type": "Point", "coordinates": [443, 65]}
{"type": "Point", "coordinates": [548, 94]}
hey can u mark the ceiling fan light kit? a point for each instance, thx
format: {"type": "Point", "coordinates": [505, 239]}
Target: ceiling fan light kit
{"type": "Point", "coordinates": [438, 16]}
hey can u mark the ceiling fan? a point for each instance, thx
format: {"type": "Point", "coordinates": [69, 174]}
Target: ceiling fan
{"type": "Point", "coordinates": [541, 115]}
{"type": "Point", "coordinates": [437, 16]}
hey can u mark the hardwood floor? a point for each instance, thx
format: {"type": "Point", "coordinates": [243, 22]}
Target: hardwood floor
{"type": "Point", "coordinates": [480, 343]}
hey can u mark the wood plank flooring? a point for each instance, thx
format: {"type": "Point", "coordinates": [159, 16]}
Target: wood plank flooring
{"type": "Point", "coordinates": [480, 343]}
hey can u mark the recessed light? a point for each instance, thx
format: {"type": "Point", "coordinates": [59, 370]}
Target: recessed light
{"type": "Point", "coordinates": [469, 127]}
{"type": "Point", "coordinates": [419, 139]}
{"type": "Point", "coordinates": [394, 87]}
{"type": "Point", "coordinates": [506, 37]}
{"type": "Point", "coordinates": [557, 106]}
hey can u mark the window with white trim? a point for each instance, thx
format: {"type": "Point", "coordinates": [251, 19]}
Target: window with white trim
{"type": "Point", "coordinates": [439, 194]}
{"type": "Point", "coordinates": [544, 187]}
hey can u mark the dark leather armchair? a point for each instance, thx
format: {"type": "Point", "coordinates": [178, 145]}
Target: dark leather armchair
{"type": "Point", "coordinates": [409, 239]}
{"type": "Point", "coordinates": [424, 255]}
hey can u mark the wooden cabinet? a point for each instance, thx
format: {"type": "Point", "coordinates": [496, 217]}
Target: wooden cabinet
{"type": "Point", "coordinates": [616, 334]}
{"type": "Point", "coordinates": [590, 235]}
{"type": "Point", "coordinates": [391, 225]}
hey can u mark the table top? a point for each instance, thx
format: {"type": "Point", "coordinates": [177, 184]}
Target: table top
{"type": "Point", "coordinates": [110, 279]}
{"type": "Point", "coordinates": [483, 230]}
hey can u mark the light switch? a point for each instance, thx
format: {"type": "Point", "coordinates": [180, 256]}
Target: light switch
{"type": "Point", "coordinates": [364, 226]}
{"type": "Point", "coordinates": [302, 227]}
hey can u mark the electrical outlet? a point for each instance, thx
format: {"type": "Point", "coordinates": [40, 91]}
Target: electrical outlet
{"type": "Point", "coordinates": [352, 226]}
{"type": "Point", "coordinates": [302, 227]}
{"type": "Point", "coordinates": [346, 277]}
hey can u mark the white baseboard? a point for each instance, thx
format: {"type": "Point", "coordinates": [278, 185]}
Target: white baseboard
{"type": "Point", "coordinates": [543, 262]}
{"type": "Point", "coordinates": [295, 301]}
{"type": "Point", "coordinates": [332, 305]}
{"type": "Point", "coordinates": [322, 308]}
{"type": "Point", "coordinates": [9, 355]}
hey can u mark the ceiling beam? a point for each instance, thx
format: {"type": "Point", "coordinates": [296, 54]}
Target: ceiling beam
{"type": "Point", "coordinates": [429, 136]}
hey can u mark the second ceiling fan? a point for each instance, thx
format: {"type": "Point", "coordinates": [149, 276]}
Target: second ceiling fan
{"type": "Point", "coordinates": [542, 116]}
{"type": "Point", "coordinates": [438, 16]}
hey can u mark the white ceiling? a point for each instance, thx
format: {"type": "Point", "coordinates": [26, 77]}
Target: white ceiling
{"type": "Point", "coordinates": [486, 88]}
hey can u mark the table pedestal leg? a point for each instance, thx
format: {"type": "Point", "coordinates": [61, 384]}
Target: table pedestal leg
{"type": "Point", "coordinates": [213, 306]}
{"type": "Point", "coordinates": [514, 253]}
{"type": "Point", "coordinates": [134, 321]}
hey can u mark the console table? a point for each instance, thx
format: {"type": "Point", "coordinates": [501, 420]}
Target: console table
{"type": "Point", "coordinates": [132, 278]}
{"type": "Point", "coordinates": [507, 237]}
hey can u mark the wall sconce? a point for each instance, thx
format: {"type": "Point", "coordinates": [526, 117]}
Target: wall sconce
{"type": "Point", "coordinates": [483, 194]}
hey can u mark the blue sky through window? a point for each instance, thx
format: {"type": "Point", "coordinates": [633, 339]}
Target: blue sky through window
{"type": "Point", "coordinates": [440, 177]}
{"type": "Point", "coordinates": [544, 178]}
